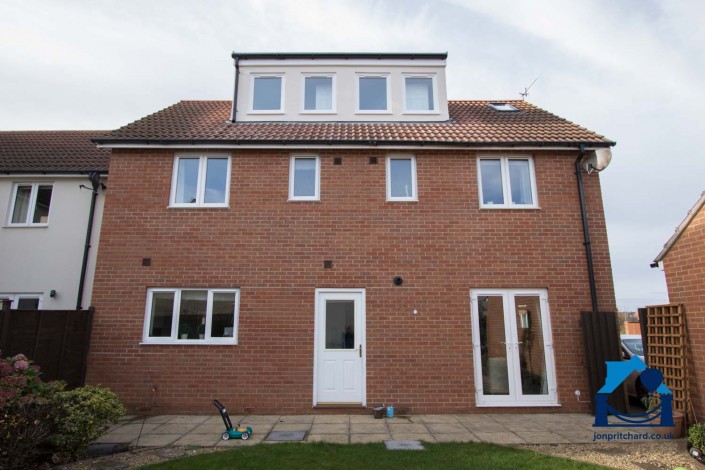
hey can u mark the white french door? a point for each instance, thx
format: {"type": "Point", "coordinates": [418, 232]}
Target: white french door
{"type": "Point", "coordinates": [339, 344]}
{"type": "Point", "coordinates": [512, 348]}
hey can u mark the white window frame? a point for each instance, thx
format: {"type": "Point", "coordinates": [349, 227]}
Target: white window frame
{"type": "Point", "coordinates": [333, 98]}
{"type": "Point", "coordinates": [32, 204]}
{"type": "Point", "coordinates": [414, 186]}
{"type": "Point", "coordinates": [15, 298]}
{"type": "Point", "coordinates": [388, 79]}
{"type": "Point", "coordinates": [434, 91]}
{"type": "Point", "coordinates": [292, 173]}
{"type": "Point", "coordinates": [506, 185]}
{"type": "Point", "coordinates": [200, 190]}
{"type": "Point", "coordinates": [511, 338]}
{"type": "Point", "coordinates": [174, 339]}
{"type": "Point", "coordinates": [253, 78]}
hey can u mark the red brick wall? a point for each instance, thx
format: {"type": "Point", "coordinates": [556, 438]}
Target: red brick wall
{"type": "Point", "coordinates": [272, 249]}
{"type": "Point", "coordinates": [685, 275]}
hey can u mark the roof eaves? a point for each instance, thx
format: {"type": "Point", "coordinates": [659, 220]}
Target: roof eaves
{"type": "Point", "coordinates": [681, 228]}
{"type": "Point", "coordinates": [339, 55]}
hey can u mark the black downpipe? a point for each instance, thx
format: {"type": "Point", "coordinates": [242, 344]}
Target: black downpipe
{"type": "Point", "coordinates": [95, 182]}
{"type": "Point", "coordinates": [233, 117]}
{"type": "Point", "coordinates": [586, 229]}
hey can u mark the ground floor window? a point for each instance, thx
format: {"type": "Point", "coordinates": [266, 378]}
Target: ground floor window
{"type": "Point", "coordinates": [191, 316]}
{"type": "Point", "coordinates": [512, 348]}
{"type": "Point", "coordinates": [23, 301]}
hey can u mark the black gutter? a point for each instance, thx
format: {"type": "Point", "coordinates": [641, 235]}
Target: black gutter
{"type": "Point", "coordinates": [233, 115]}
{"type": "Point", "coordinates": [339, 55]}
{"type": "Point", "coordinates": [95, 183]}
{"type": "Point", "coordinates": [187, 142]}
{"type": "Point", "coordinates": [51, 172]}
{"type": "Point", "coordinates": [586, 230]}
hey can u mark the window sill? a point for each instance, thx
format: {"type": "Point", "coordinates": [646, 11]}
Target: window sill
{"type": "Point", "coordinates": [304, 200]}
{"type": "Point", "coordinates": [188, 342]}
{"type": "Point", "coordinates": [554, 404]}
{"type": "Point", "coordinates": [403, 199]}
{"type": "Point", "coordinates": [26, 226]}
{"type": "Point", "coordinates": [322, 112]}
{"type": "Point", "coordinates": [194, 206]}
{"type": "Point", "coordinates": [426, 113]}
{"type": "Point", "coordinates": [504, 208]}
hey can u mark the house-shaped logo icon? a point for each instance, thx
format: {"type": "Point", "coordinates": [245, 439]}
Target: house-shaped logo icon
{"type": "Point", "coordinates": [651, 379]}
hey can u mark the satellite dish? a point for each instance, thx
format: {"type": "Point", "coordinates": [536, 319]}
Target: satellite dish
{"type": "Point", "coordinates": [597, 160]}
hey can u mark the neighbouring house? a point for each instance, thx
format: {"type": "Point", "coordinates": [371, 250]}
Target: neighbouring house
{"type": "Point", "coordinates": [46, 186]}
{"type": "Point", "coordinates": [683, 261]}
{"type": "Point", "coordinates": [342, 235]}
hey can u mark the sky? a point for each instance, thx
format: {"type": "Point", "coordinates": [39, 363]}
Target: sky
{"type": "Point", "coordinates": [631, 70]}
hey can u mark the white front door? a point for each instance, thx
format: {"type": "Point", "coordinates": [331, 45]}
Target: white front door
{"type": "Point", "coordinates": [512, 348]}
{"type": "Point", "coordinates": [339, 358]}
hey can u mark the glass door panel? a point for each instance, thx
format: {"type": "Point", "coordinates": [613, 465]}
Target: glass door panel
{"type": "Point", "coordinates": [340, 324]}
{"type": "Point", "coordinates": [493, 345]}
{"type": "Point", "coordinates": [532, 354]}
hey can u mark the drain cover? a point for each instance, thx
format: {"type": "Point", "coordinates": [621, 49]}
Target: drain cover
{"type": "Point", "coordinates": [404, 445]}
{"type": "Point", "coordinates": [286, 436]}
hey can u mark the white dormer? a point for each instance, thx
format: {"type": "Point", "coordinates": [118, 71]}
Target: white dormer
{"type": "Point", "coordinates": [340, 87]}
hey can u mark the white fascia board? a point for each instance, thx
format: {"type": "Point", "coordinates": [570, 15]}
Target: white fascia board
{"type": "Point", "coordinates": [334, 146]}
{"type": "Point", "coordinates": [406, 63]}
{"type": "Point", "coordinates": [49, 175]}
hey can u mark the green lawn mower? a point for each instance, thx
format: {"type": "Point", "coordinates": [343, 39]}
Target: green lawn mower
{"type": "Point", "coordinates": [240, 432]}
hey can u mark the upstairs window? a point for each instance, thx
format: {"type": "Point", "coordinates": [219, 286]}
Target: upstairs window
{"type": "Point", "coordinates": [507, 182]}
{"type": "Point", "coordinates": [304, 178]}
{"type": "Point", "coordinates": [200, 182]}
{"type": "Point", "coordinates": [401, 178]}
{"type": "Point", "coordinates": [373, 93]}
{"type": "Point", "coordinates": [191, 316]}
{"type": "Point", "coordinates": [419, 94]}
{"type": "Point", "coordinates": [30, 204]}
{"type": "Point", "coordinates": [318, 94]}
{"type": "Point", "coordinates": [267, 93]}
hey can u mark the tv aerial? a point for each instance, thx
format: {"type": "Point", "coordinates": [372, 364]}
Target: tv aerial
{"type": "Point", "coordinates": [526, 90]}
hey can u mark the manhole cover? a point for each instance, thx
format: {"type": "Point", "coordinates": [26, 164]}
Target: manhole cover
{"type": "Point", "coordinates": [404, 445]}
{"type": "Point", "coordinates": [286, 436]}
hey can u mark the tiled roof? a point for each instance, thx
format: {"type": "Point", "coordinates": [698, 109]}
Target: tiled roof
{"type": "Point", "coordinates": [471, 123]}
{"type": "Point", "coordinates": [51, 151]}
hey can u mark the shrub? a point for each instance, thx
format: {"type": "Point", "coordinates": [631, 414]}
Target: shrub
{"type": "Point", "coordinates": [696, 435]}
{"type": "Point", "coordinates": [81, 416]}
{"type": "Point", "coordinates": [25, 412]}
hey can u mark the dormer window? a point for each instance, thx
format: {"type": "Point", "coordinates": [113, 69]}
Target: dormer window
{"type": "Point", "coordinates": [267, 93]}
{"type": "Point", "coordinates": [419, 94]}
{"type": "Point", "coordinates": [373, 94]}
{"type": "Point", "coordinates": [319, 92]}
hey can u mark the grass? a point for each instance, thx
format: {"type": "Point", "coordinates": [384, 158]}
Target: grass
{"type": "Point", "coordinates": [371, 456]}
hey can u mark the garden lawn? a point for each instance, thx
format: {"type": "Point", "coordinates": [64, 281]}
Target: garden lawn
{"type": "Point", "coordinates": [370, 456]}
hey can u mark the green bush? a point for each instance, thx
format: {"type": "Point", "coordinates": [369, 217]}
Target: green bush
{"type": "Point", "coordinates": [696, 435]}
{"type": "Point", "coordinates": [81, 416]}
{"type": "Point", "coordinates": [25, 412]}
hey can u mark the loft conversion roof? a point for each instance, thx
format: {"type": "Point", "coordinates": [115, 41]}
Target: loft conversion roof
{"type": "Point", "coordinates": [340, 55]}
{"type": "Point", "coordinates": [51, 152]}
{"type": "Point", "coordinates": [471, 124]}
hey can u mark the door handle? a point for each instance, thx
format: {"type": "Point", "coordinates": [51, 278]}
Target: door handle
{"type": "Point", "coordinates": [360, 350]}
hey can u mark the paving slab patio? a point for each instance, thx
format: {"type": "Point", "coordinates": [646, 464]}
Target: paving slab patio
{"type": "Point", "coordinates": [205, 431]}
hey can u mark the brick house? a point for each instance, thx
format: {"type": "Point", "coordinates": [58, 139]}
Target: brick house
{"type": "Point", "coordinates": [46, 216]}
{"type": "Point", "coordinates": [683, 261]}
{"type": "Point", "coordinates": [342, 235]}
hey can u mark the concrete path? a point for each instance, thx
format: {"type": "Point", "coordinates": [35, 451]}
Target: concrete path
{"type": "Point", "coordinates": [351, 429]}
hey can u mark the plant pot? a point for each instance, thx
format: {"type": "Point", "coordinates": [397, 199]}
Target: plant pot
{"type": "Point", "coordinates": [184, 335]}
{"type": "Point", "coordinates": [201, 335]}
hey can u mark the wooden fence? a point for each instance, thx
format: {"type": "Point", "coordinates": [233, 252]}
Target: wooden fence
{"type": "Point", "coordinates": [602, 343]}
{"type": "Point", "coordinates": [57, 340]}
